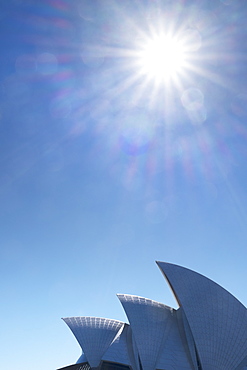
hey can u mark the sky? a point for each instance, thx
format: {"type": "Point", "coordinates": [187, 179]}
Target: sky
{"type": "Point", "coordinates": [106, 167]}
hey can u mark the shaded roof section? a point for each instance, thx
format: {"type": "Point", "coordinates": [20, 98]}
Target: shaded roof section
{"type": "Point", "coordinates": [218, 321]}
{"type": "Point", "coordinates": [150, 322]}
{"type": "Point", "coordinates": [94, 335]}
{"type": "Point", "coordinates": [118, 350]}
{"type": "Point", "coordinates": [175, 354]}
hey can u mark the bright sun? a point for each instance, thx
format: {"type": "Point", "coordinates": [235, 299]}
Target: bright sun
{"type": "Point", "coordinates": [162, 57]}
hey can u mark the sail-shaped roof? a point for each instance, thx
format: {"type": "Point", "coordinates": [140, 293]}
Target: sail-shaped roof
{"type": "Point", "coordinates": [218, 321]}
{"type": "Point", "coordinates": [150, 322]}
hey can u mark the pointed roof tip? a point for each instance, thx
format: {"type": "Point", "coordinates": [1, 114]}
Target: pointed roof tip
{"type": "Point", "coordinates": [121, 295]}
{"type": "Point", "coordinates": [167, 263]}
{"type": "Point", "coordinates": [164, 263]}
{"type": "Point", "coordinates": [65, 319]}
{"type": "Point", "coordinates": [159, 263]}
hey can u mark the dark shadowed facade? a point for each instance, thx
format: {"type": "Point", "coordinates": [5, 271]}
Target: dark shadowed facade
{"type": "Point", "coordinates": [207, 332]}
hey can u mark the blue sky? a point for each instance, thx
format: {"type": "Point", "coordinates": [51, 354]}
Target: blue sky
{"type": "Point", "coordinates": [104, 170]}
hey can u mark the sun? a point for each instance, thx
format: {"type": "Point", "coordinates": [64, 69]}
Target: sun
{"type": "Point", "coordinates": [162, 57]}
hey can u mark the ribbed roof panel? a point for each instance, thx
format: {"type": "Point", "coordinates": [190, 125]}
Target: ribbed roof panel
{"type": "Point", "coordinates": [94, 335]}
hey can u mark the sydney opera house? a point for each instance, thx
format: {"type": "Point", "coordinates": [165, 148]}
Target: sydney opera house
{"type": "Point", "coordinates": [207, 332]}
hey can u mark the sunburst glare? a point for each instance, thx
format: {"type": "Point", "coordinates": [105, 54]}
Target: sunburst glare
{"type": "Point", "coordinates": [162, 57]}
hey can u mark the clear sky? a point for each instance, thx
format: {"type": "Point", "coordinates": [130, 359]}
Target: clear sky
{"type": "Point", "coordinates": [107, 167]}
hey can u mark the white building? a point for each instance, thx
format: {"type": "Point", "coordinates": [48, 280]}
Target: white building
{"type": "Point", "coordinates": [207, 332]}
